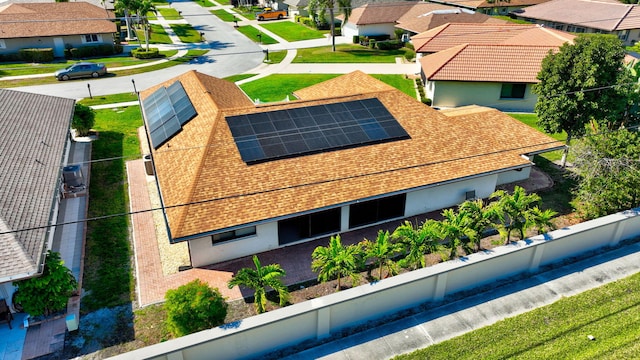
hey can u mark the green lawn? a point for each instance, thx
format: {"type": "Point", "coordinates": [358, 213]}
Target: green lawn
{"type": "Point", "coordinates": [186, 33]}
{"type": "Point", "coordinates": [170, 13]}
{"type": "Point", "coordinates": [206, 3]}
{"type": "Point", "coordinates": [278, 86]}
{"type": "Point", "coordinates": [238, 77]}
{"type": "Point", "coordinates": [252, 33]}
{"type": "Point", "coordinates": [223, 2]}
{"type": "Point", "coordinates": [110, 99]}
{"type": "Point", "coordinates": [292, 31]}
{"type": "Point", "coordinates": [610, 313]}
{"type": "Point", "coordinates": [347, 53]}
{"type": "Point", "coordinates": [108, 276]}
{"type": "Point", "coordinates": [224, 15]}
{"type": "Point", "coordinates": [157, 35]}
{"type": "Point", "coordinates": [276, 57]}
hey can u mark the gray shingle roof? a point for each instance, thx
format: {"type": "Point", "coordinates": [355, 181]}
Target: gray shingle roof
{"type": "Point", "coordinates": [33, 140]}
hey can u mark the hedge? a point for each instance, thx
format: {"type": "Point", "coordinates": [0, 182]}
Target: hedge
{"type": "Point", "coordinates": [142, 53]}
{"type": "Point", "coordinates": [36, 55]}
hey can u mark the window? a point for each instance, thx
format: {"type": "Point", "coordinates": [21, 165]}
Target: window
{"type": "Point", "coordinates": [91, 38]}
{"type": "Point", "coordinates": [3, 45]}
{"type": "Point", "coordinates": [308, 226]}
{"type": "Point", "coordinates": [623, 35]}
{"type": "Point", "coordinates": [231, 235]}
{"type": "Point", "coordinates": [513, 91]}
{"type": "Point", "coordinates": [373, 211]}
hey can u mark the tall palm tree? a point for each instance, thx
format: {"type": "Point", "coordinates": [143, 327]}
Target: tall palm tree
{"type": "Point", "coordinates": [382, 250]}
{"type": "Point", "coordinates": [126, 6]}
{"type": "Point", "coordinates": [143, 8]}
{"type": "Point", "coordinates": [258, 280]}
{"type": "Point", "coordinates": [512, 210]}
{"type": "Point", "coordinates": [318, 7]}
{"type": "Point", "coordinates": [418, 241]}
{"type": "Point", "coordinates": [455, 227]}
{"type": "Point", "coordinates": [336, 260]}
{"type": "Point", "coordinates": [480, 218]}
{"type": "Point", "coordinates": [542, 219]}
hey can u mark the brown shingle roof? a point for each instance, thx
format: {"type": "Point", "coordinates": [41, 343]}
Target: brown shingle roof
{"type": "Point", "coordinates": [604, 15]}
{"type": "Point", "coordinates": [27, 20]}
{"type": "Point", "coordinates": [478, 4]}
{"type": "Point", "coordinates": [225, 192]}
{"type": "Point", "coordinates": [492, 63]}
{"type": "Point", "coordinates": [35, 129]}
{"type": "Point", "coordinates": [425, 21]}
{"type": "Point", "coordinates": [381, 13]}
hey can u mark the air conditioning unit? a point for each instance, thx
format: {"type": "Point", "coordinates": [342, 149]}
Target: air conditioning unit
{"type": "Point", "coordinates": [72, 176]}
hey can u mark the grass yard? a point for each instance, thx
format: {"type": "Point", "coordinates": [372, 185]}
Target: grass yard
{"type": "Point", "coordinates": [610, 313]}
{"type": "Point", "coordinates": [252, 33]}
{"type": "Point", "coordinates": [206, 3]}
{"type": "Point", "coordinates": [169, 13]}
{"type": "Point", "coordinates": [223, 2]}
{"type": "Point", "coordinates": [291, 31]}
{"type": "Point", "coordinates": [276, 57]}
{"type": "Point", "coordinates": [532, 121]}
{"type": "Point", "coordinates": [399, 82]}
{"type": "Point", "coordinates": [224, 15]}
{"type": "Point", "coordinates": [157, 35]}
{"type": "Point", "coordinates": [238, 77]}
{"type": "Point", "coordinates": [347, 53]}
{"type": "Point", "coordinates": [186, 33]}
{"type": "Point", "coordinates": [108, 276]}
{"type": "Point", "coordinates": [109, 99]}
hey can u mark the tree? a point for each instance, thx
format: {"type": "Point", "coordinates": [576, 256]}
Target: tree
{"type": "Point", "coordinates": [144, 7]}
{"type": "Point", "coordinates": [479, 219]}
{"type": "Point", "coordinates": [344, 7]}
{"type": "Point", "coordinates": [125, 7]}
{"type": "Point", "coordinates": [455, 227]}
{"type": "Point", "coordinates": [513, 211]}
{"type": "Point", "coordinates": [418, 241]}
{"type": "Point", "coordinates": [541, 219]}
{"type": "Point", "coordinates": [259, 279]}
{"type": "Point", "coordinates": [382, 250]}
{"type": "Point", "coordinates": [577, 86]}
{"type": "Point", "coordinates": [49, 292]}
{"type": "Point", "coordinates": [83, 119]}
{"type": "Point", "coordinates": [336, 260]}
{"type": "Point", "coordinates": [608, 168]}
{"type": "Point", "coordinates": [194, 307]}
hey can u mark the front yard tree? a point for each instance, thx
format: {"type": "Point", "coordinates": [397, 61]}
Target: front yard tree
{"type": "Point", "coordinates": [336, 261]}
{"type": "Point", "coordinates": [194, 307]}
{"type": "Point", "coordinates": [318, 7]}
{"type": "Point", "coordinates": [49, 292]}
{"type": "Point", "coordinates": [514, 211]}
{"type": "Point", "coordinates": [608, 166]}
{"type": "Point", "coordinates": [83, 119]}
{"type": "Point", "coordinates": [578, 86]}
{"type": "Point", "coordinates": [125, 7]}
{"type": "Point", "coordinates": [143, 8]}
{"type": "Point", "coordinates": [383, 250]}
{"type": "Point", "coordinates": [259, 279]}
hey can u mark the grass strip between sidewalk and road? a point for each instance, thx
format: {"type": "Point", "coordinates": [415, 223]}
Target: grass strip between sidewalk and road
{"type": "Point", "coordinates": [252, 33]}
{"type": "Point", "coordinates": [610, 313]}
{"type": "Point", "coordinates": [224, 15]}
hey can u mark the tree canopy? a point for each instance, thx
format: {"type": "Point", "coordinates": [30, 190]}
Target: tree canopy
{"type": "Point", "coordinates": [318, 8]}
{"type": "Point", "coordinates": [583, 83]}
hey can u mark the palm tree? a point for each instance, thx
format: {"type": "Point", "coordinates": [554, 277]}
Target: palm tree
{"type": "Point", "coordinates": [258, 280]}
{"type": "Point", "coordinates": [382, 250]}
{"type": "Point", "coordinates": [455, 227]}
{"type": "Point", "coordinates": [336, 260]}
{"type": "Point", "coordinates": [143, 8]}
{"type": "Point", "coordinates": [418, 241]}
{"type": "Point", "coordinates": [480, 218]}
{"type": "Point", "coordinates": [125, 6]}
{"type": "Point", "coordinates": [344, 7]}
{"type": "Point", "coordinates": [512, 210]}
{"type": "Point", "coordinates": [542, 219]}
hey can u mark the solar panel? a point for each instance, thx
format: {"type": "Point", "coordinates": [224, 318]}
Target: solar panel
{"type": "Point", "coordinates": [307, 130]}
{"type": "Point", "coordinates": [166, 110]}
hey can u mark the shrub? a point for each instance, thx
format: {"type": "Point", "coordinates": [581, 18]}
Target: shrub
{"type": "Point", "coordinates": [194, 307]}
{"type": "Point", "coordinates": [372, 43]}
{"type": "Point", "coordinates": [49, 292]}
{"type": "Point", "coordinates": [141, 53]}
{"type": "Point", "coordinates": [9, 57]}
{"type": "Point", "coordinates": [36, 55]}
{"type": "Point", "coordinates": [389, 45]}
{"type": "Point", "coordinates": [83, 119]}
{"type": "Point", "coordinates": [356, 39]}
{"type": "Point", "coordinates": [92, 51]}
{"type": "Point", "coordinates": [409, 45]}
{"type": "Point", "coordinates": [398, 33]}
{"type": "Point", "coordinates": [409, 54]}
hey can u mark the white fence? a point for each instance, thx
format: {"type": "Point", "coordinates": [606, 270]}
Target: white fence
{"type": "Point", "coordinates": [322, 317]}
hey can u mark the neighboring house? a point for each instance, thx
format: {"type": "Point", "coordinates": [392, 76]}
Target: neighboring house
{"type": "Point", "coordinates": [237, 178]}
{"type": "Point", "coordinates": [491, 7]}
{"type": "Point", "coordinates": [34, 145]}
{"type": "Point", "coordinates": [482, 64]}
{"type": "Point", "coordinates": [54, 25]}
{"type": "Point", "coordinates": [414, 23]}
{"type": "Point", "coordinates": [297, 7]}
{"type": "Point", "coordinates": [587, 16]}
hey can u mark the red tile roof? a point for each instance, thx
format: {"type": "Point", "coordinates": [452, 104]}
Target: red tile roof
{"type": "Point", "coordinates": [27, 20]}
{"type": "Point", "coordinates": [201, 165]}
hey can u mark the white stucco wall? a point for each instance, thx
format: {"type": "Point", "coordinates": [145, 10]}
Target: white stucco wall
{"type": "Point", "coordinates": [13, 45]}
{"type": "Point", "coordinates": [349, 30]}
{"type": "Point", "coordinates": [446, 94]}
{"type": "Point", "coordinates": [513, 176]}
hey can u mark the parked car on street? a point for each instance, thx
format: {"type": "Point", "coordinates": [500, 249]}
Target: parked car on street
{"type": "Point", "coordinates": [269, 14]}
{"type": "Point", "coordinates": [81, 69]}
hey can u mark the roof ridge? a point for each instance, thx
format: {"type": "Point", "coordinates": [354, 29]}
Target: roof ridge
{"type": "Point", "coordinates": [622, 18]}
{"type": "Point", "coordinates": [454, 52]}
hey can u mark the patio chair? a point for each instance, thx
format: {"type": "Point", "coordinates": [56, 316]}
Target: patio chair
{"type": "Point", "coordinates": [5, 313]}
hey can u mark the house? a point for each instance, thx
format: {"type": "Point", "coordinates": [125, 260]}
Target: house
{"type": "Point", "coordinates": [491, 7]}
{"type": "Point", "coordinates": [58, 25]}
{"type": "Point", "coordinates": [414, 23]}
{"type": "Point", "coordinates": [34, 146]}
{"type": "Point", "coordinates": [483, 64]}
{"type": "Point", "coordinates": [587, 16]}
{"type": "Point", "coordinates": [237, 178]}
{"type": "Point", "coordinates": [297, 7]}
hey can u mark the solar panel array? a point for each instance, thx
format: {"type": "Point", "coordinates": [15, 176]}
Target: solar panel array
{"type": "Point", "coordinates": [166, 111]}
{"type": "Point", "coordinates": [307, 130]}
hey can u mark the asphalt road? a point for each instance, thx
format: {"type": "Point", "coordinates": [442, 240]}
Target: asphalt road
{"type": "Point", "coordinates": [230, 53]}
